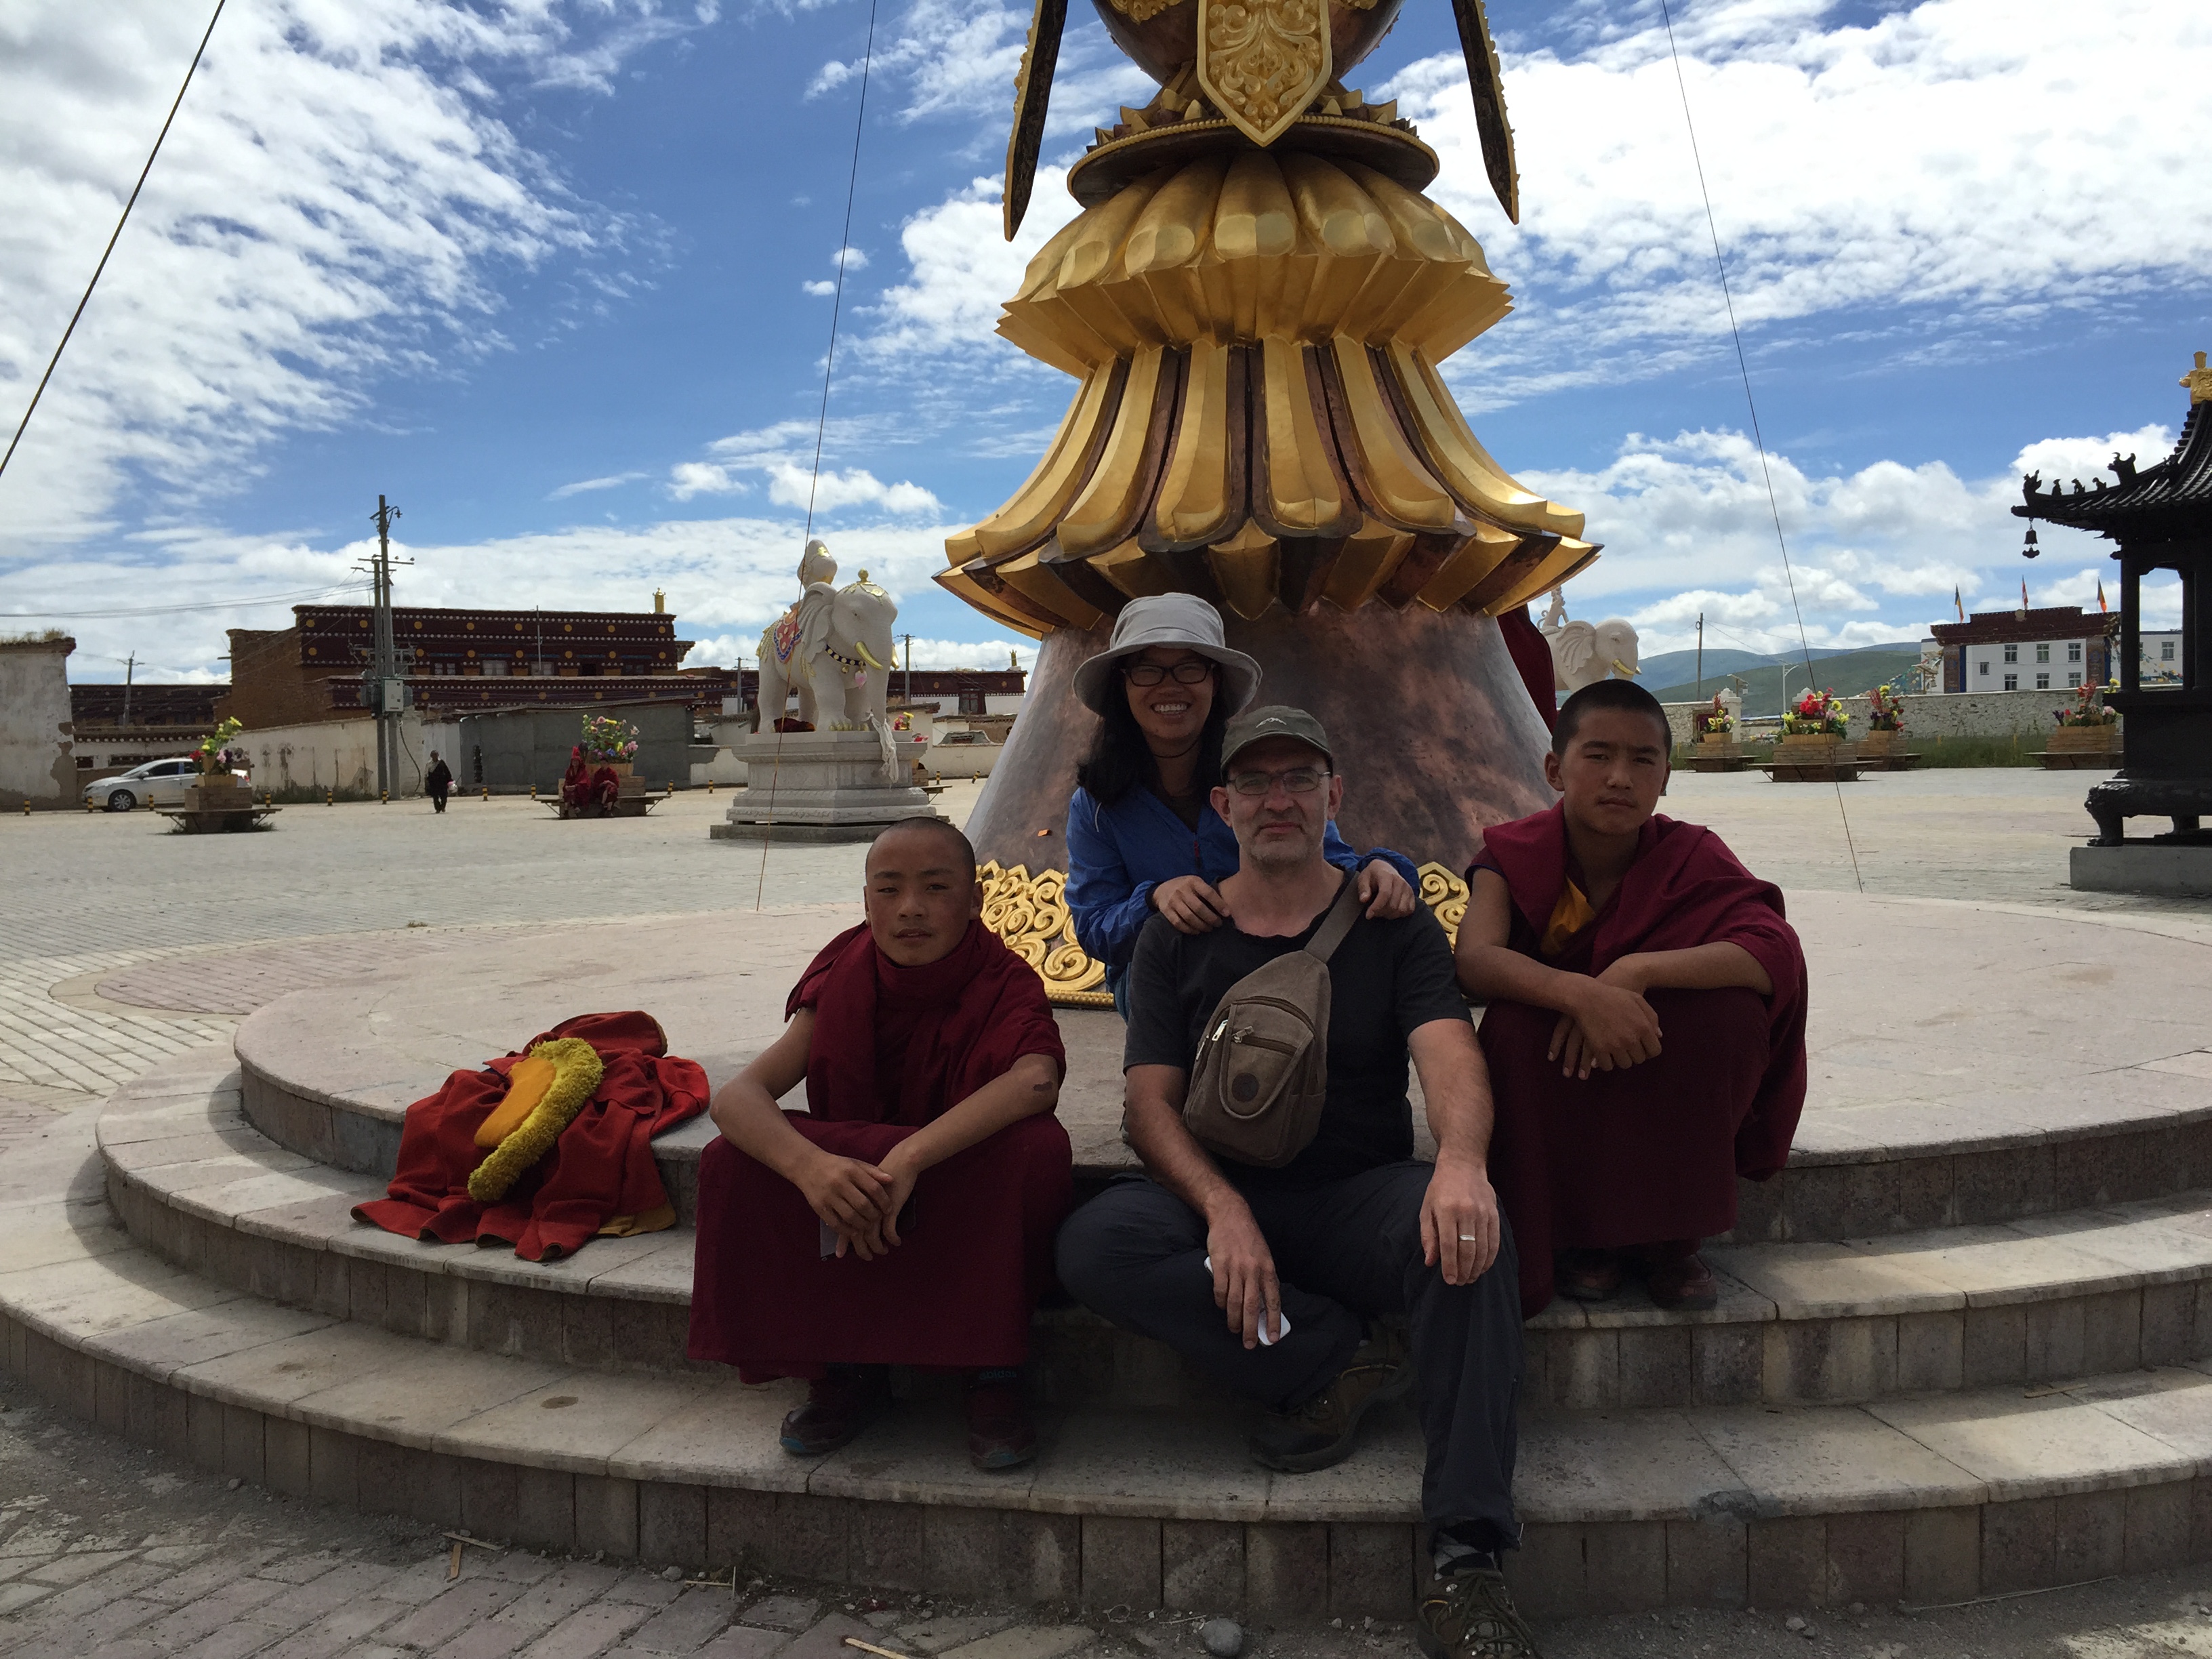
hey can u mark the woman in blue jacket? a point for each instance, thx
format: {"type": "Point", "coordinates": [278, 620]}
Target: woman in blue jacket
{"type": "Point", "coordinates": [1142, 833]}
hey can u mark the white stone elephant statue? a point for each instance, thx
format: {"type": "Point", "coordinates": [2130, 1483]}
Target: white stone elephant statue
{"type": "Point", "coordinates": [833, 649]}
{"type": "Point", "coordinates": [1582, 652]}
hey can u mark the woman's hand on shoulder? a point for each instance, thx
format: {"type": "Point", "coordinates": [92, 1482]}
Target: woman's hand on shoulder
{"type": "Point", "coordinates": [1387, 895]}
{"type": "Point", "coordinates": [1191, 904]}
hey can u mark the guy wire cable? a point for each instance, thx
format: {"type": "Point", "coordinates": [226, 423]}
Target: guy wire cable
{"type": "Point", "coordinates": [821, 426]}
{"type": "Point", "coordinates": [1743, 367]}
{"type": "Point", "coordinates": [120, 221]}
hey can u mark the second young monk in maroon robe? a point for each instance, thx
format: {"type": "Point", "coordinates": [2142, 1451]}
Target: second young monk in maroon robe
{"type": "Point", "coordinates": [908, 1217]}
{"type": "Point", "coordinates": [1645, 1027]}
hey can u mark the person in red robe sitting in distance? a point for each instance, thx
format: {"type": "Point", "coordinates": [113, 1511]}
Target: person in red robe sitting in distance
{"type": "Point", "coordinates": [1645, 1029]}
{"type": "Point", "coordinates": [908, 1217]}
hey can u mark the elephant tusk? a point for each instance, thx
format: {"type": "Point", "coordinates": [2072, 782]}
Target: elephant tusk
{"type": "Point", "coordinates": [1624, 670]}
{"type": "Point", "coordinates": [867, 657]}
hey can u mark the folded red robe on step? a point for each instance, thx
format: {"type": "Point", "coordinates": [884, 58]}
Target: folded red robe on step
{"type": "Point", "coordinates": [600, 1176]}
{"type": "Point", "coordinates": [892, 1048]}
{"type": "Point", "coordinates": [1650, 1153]}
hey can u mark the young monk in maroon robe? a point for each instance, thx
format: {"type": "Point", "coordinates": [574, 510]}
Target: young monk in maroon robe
{"type": "Point", "coordinates": [906, 1217]}
{"type": "Point", "coordinates": [1646, 1022]}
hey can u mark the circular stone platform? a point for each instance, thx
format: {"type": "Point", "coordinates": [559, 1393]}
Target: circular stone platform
{"type": "Point", "coordinates": [1954, 1047]}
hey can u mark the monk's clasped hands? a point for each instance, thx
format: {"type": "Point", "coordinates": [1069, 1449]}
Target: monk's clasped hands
{"type": "Point", "coordinates": [857, 1201]}
{"type": "Point", "coordinates": [1610, 1027]}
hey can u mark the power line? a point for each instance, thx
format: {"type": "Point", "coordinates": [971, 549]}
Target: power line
{"type": "Point", "coordinates": [1743, 367]}
{"type": "Point", "coordinates": [302, 594]}
{"type": "Point", "coordinates": [120, 221]}
{"type": "Point", "coordinates": [821, 426]}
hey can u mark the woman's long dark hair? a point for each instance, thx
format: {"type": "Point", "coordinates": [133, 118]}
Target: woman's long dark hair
{"type": "Point", "coordinates": [1120, 760]}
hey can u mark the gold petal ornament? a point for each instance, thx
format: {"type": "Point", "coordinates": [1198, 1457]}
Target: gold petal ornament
{"type": "Point", "coordinates": [575, 1070]}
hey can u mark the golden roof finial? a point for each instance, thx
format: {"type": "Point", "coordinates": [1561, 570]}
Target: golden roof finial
{"type": "Point", "coordinates": [2199, 382]}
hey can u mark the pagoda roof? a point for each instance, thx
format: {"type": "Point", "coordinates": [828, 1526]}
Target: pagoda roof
{"type": "Point", "coordinates": [2171, 499]}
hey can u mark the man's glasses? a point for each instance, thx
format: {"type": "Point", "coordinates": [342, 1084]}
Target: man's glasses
{"type": "Point", "coordinates": [1192, 671]}
{"type": "Point", "coordinates": [1298, 781]}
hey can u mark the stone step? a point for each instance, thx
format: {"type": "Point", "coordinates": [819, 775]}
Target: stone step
{"type": "Point", "coordinates": [1929, 1500]}
{"type": "Point", "coordinates": [1967, 1112]}
{"type": "Point", "coordinates": [2050, 1297]}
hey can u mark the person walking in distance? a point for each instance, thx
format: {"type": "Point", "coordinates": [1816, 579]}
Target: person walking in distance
{"type": "Point", "coordinates": [438, 781]}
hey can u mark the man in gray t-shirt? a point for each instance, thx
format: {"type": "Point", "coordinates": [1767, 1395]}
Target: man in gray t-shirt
{"type": "Point", "coordinates": [1267, 1279]}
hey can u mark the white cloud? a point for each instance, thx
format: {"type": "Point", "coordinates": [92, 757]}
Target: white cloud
{"type": "Point", "coordinates": [335, 201]}
{"type": "Point", "coordinates": [960, 270]}
{"type": "Point", "coordinates": [785, 453]}
{"type": "Point", "coordinates": [1688, 529]}
{"type": "Point", "coordinates": [1955, 165]}
{"type": "Point", "coordinates": [612, 482]}
{"type": "Point", "coordinates": [819, 290]}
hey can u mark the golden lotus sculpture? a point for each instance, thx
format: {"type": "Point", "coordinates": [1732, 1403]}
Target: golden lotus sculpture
{"type": "Point", "coordinates": [1256, 301]}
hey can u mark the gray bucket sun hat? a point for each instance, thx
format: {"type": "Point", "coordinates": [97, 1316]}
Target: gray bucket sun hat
{"type": "Point", "coordinates": [1170, 619]}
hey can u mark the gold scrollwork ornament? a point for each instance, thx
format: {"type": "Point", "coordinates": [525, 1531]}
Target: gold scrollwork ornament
{"type": "Point", "coordinates": [1029, 914]}
{"type": "Point", "coordinates": [1262, 62]}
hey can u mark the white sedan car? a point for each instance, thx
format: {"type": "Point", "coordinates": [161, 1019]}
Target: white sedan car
{"type": "Point", "coordinates": [157, 783]}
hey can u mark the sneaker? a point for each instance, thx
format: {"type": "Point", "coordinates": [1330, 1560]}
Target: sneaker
{"type": "Point", "coordinates": [1001, 1432]}
{"type": "Point", "coordinates": [839, 1404]}
{"type": "Point", "coordinates": [1471, 1615]}
{"type": "Point", "coordinates": [1322, 1432]}
{"type": "Point", "coordinates": [1683, 1284]}
{"type": "Point", "coordinates": [1586, 1275]}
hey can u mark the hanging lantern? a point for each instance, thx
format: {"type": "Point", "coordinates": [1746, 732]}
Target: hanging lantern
{"type": "Point", "coordinates": [2030, 549]}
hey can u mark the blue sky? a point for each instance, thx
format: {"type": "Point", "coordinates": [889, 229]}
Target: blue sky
{"type": "Point", "coordinates": [540, 272]}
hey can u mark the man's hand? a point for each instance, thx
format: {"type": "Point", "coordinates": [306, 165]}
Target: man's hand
{"type": "Point", "coordinates": [1191, 905]}
{"type": "Point", "coordinates": [1244, 1284]}
{"type": "Point", "coordinates": [1384, 892]}
{"type": "Point", "coordinates": [1459, 1221]}
{"type": "Point", "coordinates": [848, 1196]}
{"type": "Point", "coordinates": [1610, 1028]}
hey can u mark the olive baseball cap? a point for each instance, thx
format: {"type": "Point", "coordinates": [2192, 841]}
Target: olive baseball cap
{"type": "Point", "coordinates": [1272, 720]}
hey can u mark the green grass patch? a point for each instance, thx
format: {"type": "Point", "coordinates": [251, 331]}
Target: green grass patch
{"type": "Point", "coordinates": [300, 795]}
{"type": "Point", "coordinates": [2014, 750]}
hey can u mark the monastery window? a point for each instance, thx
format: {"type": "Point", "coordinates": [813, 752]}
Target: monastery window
{"type": "Point", "coordinates": [2043, 682]}
{"type": "Point", "coordinates": [2012, 654]}
{"type": "Point", "coordinates": [2012, 683]}
{"type": "Point", "coordinates": [2043, 653]}
{"type": "Point", "coordinates": [2074, 651]}
{"type": "Point", "coordinates": [1983, 666]}
{"type": "Point", "coordinates": [2166, 650]}
{"type": "Point", "coordinates": [2073, 680]}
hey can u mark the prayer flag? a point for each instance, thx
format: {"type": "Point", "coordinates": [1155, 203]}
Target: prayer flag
{"type": "Point", "coordinates": [2023, 593]}
{"type": "Point", "coordinates": [2101, 597]}
{"type": "Point", "coordinates": [1956, 604]}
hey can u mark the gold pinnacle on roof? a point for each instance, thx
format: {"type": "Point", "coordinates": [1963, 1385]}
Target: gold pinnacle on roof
{"type": "Point", "coordinates": [2199, 382]}
{"type": "Point", "coordinates": [1255, 300]}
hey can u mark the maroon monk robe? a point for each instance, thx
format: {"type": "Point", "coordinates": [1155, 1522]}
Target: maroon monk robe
{"type": "Point", "coordinates": [892, 1049]}
{"type": "Point", "coordinates": [600, 1176]}
{"type": "Point", "coordinates": [1651, 1153]}
{"type": "Point", "coordinates": [1532, 656]}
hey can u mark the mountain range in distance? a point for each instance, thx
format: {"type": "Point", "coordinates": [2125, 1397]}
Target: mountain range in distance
{"type": "Point", "coordinates": [1671, 668]}
{"type": "Point", "coordinates": [1847, 673]}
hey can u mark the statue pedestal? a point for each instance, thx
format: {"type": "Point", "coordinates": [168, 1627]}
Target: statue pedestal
{"type": "Point", "coordinates": [817, 786]}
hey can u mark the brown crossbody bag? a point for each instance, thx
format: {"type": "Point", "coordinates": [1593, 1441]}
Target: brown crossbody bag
{"type": "Point", "coordinates": [1261, 1077]}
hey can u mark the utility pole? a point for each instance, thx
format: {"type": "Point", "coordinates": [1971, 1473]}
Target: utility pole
{"type": "Point", "coordinates": [1701, 654]}
{"type": "Point", "coordinates": [387, 691]}
{"type": "Point", "coordinates": [908, 638]}
{"type": "Point", "coordinates": [129, 669]}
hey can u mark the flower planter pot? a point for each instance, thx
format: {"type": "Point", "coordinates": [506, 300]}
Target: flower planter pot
{"type": "Point", "coordinates": [1880, 746]}
{"type": "Point", "coordinates": [2086, 740]}
{"type": "Point", "coordinates": [1818, 749]}
{"type": "Point", "coordinates": [621, 769]}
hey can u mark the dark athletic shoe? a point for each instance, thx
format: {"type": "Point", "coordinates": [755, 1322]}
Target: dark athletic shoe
{"type": "Point", "coordinates": [838, 1407]}
{"type": "Point", "coordinates": [1586, 1275]}
{"type": "Point", "coordinates": [1471, 1615]}
{"type": "Point", "coordinates": [1685, 1285]}
{"type": "Point", "coordinates": [1322, 1432]}
{"type": "Point", "coordinates": [1001, 1433]}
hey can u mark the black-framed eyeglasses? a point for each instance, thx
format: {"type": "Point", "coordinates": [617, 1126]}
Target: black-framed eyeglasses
{"type": "Point", "coordinates": [1192, 671]}
{"type": "Point", "coordinates": [1298, 781]}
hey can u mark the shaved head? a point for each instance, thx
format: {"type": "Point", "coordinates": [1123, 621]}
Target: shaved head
{"type": "Point", "coordinates": [959, 851]}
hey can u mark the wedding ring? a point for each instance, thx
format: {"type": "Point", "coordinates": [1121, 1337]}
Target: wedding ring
{"type": "Point", "coordinates": [1468, 1238]}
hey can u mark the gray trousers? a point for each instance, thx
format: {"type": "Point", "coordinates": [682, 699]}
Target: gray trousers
{"type": "Point", "coordinates": [1344, 1252]}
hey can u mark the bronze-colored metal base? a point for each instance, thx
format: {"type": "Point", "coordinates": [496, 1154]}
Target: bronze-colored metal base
{"type": "Point", "coordinates": [1432, 725]}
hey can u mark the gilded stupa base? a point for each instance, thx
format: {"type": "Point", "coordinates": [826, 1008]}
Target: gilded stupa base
{"type": "Point", "coordinates": [1430, 723]}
